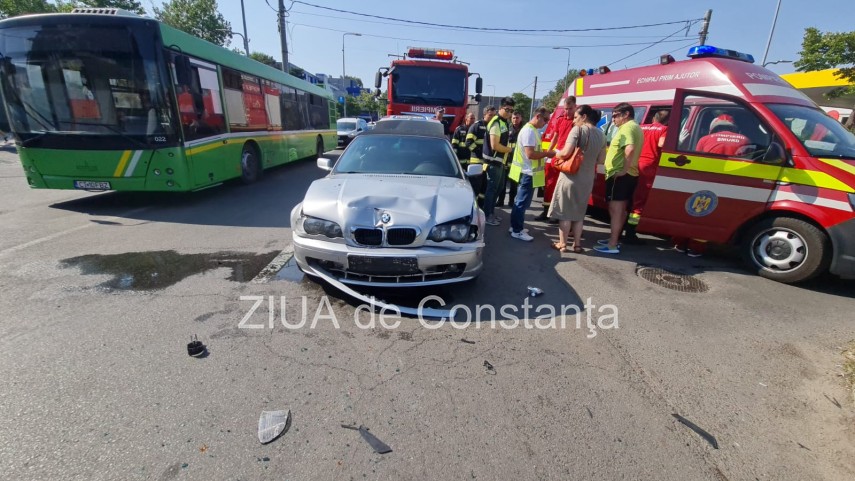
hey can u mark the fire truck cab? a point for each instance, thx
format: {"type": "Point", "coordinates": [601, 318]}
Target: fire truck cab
{"type": "Point", "coordinates": [785, 194]}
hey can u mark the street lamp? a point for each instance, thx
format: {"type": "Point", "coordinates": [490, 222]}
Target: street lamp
{"type": "Point", "coordinates": [566, 73]}
{"type": "Point", "coordinates": [493, 98]}
{"type": "Point", "coordinates": [343, 72]}
{"type": "Point", "coordinates": [245, 41]}
{"type": "Point", "coordinates": [777, 61]}
{"type": "Point", "coordinates": [772, 32]}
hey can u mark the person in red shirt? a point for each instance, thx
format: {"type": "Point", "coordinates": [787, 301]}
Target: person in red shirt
{"type": "Point", "coordinates": [724, 138]}
{"type": "Point", "coordinates": [562, 129]}
{"type": "Point", "coordinates": [651, 150]}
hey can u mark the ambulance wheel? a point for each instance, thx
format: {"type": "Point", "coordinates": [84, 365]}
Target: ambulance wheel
{"type": "Point", "coordinates": [250, 164]}
{"type": "Point", "coordinates": [786, 250]}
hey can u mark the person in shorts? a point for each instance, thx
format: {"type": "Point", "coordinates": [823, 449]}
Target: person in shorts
{"type": "Point", "coordinates": [621, 172]}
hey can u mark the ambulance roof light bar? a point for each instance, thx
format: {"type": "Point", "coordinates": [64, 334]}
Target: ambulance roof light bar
{"type": "Point", "coordinates": [433, 53]}
{"type": "Point", "coordinates": [703, 51]}
{"type": "Point", "coordinates": [591, 71]}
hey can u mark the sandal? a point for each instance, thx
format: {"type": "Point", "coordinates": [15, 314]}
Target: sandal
{"type": "Point", "coordinates": [577, 250]}
{"type": "Point", "coordinates": [559, 247]}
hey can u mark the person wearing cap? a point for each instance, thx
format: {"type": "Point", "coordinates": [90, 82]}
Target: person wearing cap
{"type": "Point", "coordinates": [440, 117]}
{"type": "Point", "coordinates": [724, 138]}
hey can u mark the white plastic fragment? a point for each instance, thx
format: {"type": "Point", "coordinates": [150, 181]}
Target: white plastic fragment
{"type": "Point", "coordinates": [271, 424]}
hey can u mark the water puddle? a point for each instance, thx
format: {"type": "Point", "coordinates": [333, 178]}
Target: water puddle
{"type": "Point", "coordinates": [290, 272]}
{"type": "Point", "coordinates": [160, 269]}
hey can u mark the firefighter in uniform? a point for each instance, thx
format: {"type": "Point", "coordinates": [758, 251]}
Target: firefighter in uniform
{"type": "Point", "coordinates": [475, 143]}
{"type": "Point", "coordinates": [458, 140]}
{"type": "Point", "coordinates": [495, 152]}
{"type": "Point", "coordinates": [509, 184]}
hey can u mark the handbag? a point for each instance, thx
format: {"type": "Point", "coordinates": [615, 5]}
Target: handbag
{"type": "Point", "coordinates": [572, 164]}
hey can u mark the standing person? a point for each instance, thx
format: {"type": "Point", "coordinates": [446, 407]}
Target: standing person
{"type": "Point", "coordinates": [440, 117]}
{"type": "Point", "coordinates": [621, 172]}
{"type": "Point", "coordinates": [509, 185]}
{"type": "Point", "coordinates": [570, 200]}
{"type": "Point", "coordinates": [458, 140]}
{"type": "Point", "coordinates": [527, 170]}
{"type": "Point", "coordinates": [475, 143]}
{"type": "Point", "coordinates": [648, 162]}
{"type": "Point", "coordinates": [495, 152]}
{"type": "Point", "coordinates": [562, 129]}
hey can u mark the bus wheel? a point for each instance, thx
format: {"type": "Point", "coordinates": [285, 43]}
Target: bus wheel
{"type": "Point", "coordinates": [250, 165]}
{"type": "Point", "coordinates": [319, 148]}
{"type": "Point", "coordinates": [786, 250]}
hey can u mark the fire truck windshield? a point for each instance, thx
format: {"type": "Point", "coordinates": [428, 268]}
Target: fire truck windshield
{"type": "Point", "coordinates": [428, 85]}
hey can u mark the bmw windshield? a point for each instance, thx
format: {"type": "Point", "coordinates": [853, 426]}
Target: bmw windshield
{"type": "Point", "coordinates": [821, 135]}
{"type": "Point", "coordinates": [86, 85]}
{"type": "Point", "coordinates": [394, 154]}
{"type": "Point", "coordinates": [428, 85]}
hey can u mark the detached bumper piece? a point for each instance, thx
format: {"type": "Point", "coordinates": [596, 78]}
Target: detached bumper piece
{"type": "Point", "coordinates": [388, 270]}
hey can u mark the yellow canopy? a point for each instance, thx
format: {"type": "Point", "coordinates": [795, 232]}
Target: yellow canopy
{"type": "Point", "coordinates": [818, 83]}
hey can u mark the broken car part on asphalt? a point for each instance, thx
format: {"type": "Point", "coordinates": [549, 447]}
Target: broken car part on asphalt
{"type": "Point", "coordinates": [195, 348]}
{"type": "Point", "coordinates": [707, 436]}
{"type": "Point", "coordinates": [271, 424]}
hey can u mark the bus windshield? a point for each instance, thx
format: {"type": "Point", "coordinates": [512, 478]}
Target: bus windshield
{"type": "Point", "coordinates": [94, 80]}
{"type": "Point", "coordinates": [821, 135]}
{"type": "Point", "coordinates": [428, 85]}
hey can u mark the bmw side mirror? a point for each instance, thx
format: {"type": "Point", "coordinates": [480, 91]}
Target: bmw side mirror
{"type": "Point", "coordinates": [325, 163]}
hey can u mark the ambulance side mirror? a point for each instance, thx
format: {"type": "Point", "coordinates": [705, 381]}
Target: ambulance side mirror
{"type": "Point", "coordinates": [774, 155]}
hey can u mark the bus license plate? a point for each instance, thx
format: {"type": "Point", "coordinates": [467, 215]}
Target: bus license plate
{"type": "Point", "coordinates": [88, 184]}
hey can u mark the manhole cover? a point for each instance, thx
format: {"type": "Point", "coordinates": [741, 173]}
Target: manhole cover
{"type": "Point", "coordinates": [672, 280]}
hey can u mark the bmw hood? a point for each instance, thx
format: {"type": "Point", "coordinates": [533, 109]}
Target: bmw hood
{"type": "Point", "coordinates": [362, 199]}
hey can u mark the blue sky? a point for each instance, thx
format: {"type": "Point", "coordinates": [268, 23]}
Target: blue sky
{"type": "Point", "coordinates": [315, 35]}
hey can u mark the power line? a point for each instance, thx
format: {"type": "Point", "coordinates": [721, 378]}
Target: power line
{"type": "Point", "coordinates": [663, 40]}
{"type": "Point", "coordinates": [271, 6]}
{"type": "Point", "coordinates": [486, 45]}
{"type": "Point", "coordinates": [464, 27]}
{"type": "Point", "coordinates": [538, 34]}
{"type": "Point", "coordinates": [657, 58]}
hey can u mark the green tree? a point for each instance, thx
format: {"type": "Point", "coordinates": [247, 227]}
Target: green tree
{"type": "Point", "coordinates": [199, 18]}
{"type": "Point", "coordinates": [263, 58]}
{"type": "Point", "coordinates": [356, 81]}
{"type": "Point", "coordinates": [830, 50]}
{"type": "Point", "coordinates": [522, 105]}
{"type": "Point", "coordinates": [551, 99]}
{"type": "Point", "coordinates": [13, 8]}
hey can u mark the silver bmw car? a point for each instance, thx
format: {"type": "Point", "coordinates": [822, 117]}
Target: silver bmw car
{"type": "Point", "coordinates": [395, 210]}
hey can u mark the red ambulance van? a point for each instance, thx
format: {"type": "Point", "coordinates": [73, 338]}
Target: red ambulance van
{"type": "Point", "coordinates": [786, 196]}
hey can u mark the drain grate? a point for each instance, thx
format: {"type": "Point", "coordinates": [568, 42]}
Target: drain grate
{"type": "Point", "coordinates": [672, 280]}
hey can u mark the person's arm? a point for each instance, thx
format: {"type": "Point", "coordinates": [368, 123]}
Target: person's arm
{"type": "Point", "coordinates": [601, 157]}
{"type": "Point", "coordinates": [627, 159]}
{"type": "Point", "coordinates": [533, 154]}
{"type": "Point", "coordinates": [495, 139]}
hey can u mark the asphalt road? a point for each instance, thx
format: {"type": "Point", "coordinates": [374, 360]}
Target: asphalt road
{"type": "Point", "coordinates": [100, 293]}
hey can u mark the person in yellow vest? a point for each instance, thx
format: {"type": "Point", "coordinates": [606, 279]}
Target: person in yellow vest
{"type": "Point", "coordinates": [527, 170]}
{"type": "Point", "coordinates": [475, 143]}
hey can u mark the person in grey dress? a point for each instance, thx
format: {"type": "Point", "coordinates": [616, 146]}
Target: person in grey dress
{"type": "Point", "coordinates": [570, 201]}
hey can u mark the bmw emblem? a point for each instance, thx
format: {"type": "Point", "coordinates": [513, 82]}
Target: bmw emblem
{"type": "Point", "coordinates": [385, 218]}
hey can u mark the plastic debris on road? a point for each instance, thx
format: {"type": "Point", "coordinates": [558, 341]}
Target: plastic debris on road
{"type": "Point", "coordinates": [195, 348]}
{"type": "Point", "coordinates": [379, 446]}
{"type": "Point", "coordinates": [534, 291]}
{"type": "Point", "coordinates": [271, 424]}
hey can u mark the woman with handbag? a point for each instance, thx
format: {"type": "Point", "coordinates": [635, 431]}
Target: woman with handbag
{"type": "Point", "coordinates": [577, 161]}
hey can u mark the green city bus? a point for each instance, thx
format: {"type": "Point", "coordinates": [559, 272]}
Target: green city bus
{"type": "Point", "coordinates": [102, 99]}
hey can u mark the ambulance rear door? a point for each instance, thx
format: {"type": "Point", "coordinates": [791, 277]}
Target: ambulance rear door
{"type": "Point", "coordinates": [708, 195]}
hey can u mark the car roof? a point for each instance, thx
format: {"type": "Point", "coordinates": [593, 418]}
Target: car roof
{"type": "Point", "coordinates": [408, 126]}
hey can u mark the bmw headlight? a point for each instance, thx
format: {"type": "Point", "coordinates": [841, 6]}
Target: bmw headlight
{"type": "Point", "coordinates": [314, 226]}
{"type": "Point", "coordinates": [456, 230]}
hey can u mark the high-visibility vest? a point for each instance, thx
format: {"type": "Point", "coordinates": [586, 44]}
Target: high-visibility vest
{"type": "Point", "coordinates": [538, 176]}
{"type": "Point", "coordinates": [504, 133]}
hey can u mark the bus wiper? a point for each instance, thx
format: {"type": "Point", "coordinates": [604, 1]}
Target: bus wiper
{"type": "Point", "coordinates": [37, 136]}
{"type": "Point", "coordinates": [117, 130]}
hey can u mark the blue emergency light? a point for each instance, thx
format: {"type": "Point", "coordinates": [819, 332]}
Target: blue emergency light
{"type": "Point", "coordinates": [702, 51]}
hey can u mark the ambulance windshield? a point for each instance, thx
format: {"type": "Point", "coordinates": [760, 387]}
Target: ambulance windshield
{"type": "Point", "coordinates": [821, 135]}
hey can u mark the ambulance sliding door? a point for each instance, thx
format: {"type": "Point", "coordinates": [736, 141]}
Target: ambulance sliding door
{"type": "Point", "coordinates": [718, 168]}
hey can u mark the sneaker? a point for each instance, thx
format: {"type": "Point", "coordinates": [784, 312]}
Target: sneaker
{"type": "Point", "coordinates": [523, 236]}
{"type": "Point", "coordinates": [511, 230]}
{"type": "Point", "coordinates": [493, 221]}
{"type": "Point", "coordinates": [691, 253]}
{"type": "Point", "coordinates": [604, 242]}
{"type": "Point", "coordinates": [605, 249]}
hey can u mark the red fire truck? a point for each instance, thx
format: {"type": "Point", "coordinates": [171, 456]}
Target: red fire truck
{"type": "Point", "coordinates": [427, 80]}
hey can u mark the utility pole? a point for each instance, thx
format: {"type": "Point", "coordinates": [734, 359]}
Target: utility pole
{"type": "Point", "coordinates": [282, 36]}
{"type": "Point", "coordinates": [245, 39]}
{"type": "Point", "coordinates": [772, 32]}
{"type": "Point", "coordinates": [533, 98]}
{"type": "Point", "coordinates": [706, 28]}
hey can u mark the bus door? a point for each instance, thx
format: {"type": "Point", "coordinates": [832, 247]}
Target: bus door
{"type": "Point", "coordinates": [718, 168]}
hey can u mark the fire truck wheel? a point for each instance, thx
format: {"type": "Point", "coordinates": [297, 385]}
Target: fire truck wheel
{"type": "Point", "coordinates": [250, 164]}
{"type": "Point", "coordinates": [786, 250]}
